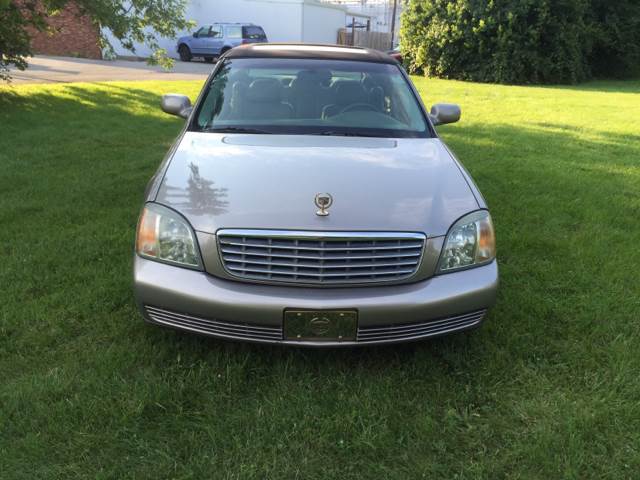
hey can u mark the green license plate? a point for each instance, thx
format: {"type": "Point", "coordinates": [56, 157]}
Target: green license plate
{"type": "Point", "coordinates": [320, 325]}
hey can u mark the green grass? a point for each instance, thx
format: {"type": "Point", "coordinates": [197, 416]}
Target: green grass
{"type": "Point", "coordinates": [548, 389]}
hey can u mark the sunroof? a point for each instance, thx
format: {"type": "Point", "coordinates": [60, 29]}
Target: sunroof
{"type": "Point", "coordinates": [310, 48]}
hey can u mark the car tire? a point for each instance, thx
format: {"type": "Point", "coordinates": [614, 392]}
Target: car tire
{"type": "Point", "coordinates": [185, 53]}
{"type": "Point", "coordinates": [209, 59]}
{"type": "Point", "coordinates": [224, 50]}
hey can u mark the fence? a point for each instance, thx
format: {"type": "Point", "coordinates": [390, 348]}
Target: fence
{"type": "Point", "coordinates": [375, 40]}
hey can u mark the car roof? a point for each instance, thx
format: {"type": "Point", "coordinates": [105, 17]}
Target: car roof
{"type": "Point", "coordinates": [235, 24]}
{"type": "Point", "coordinates": [309, 51]}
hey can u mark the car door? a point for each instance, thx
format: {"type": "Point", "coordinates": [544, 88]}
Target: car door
{"type": "Point", "coordinates": [214, 41]}
{"type": "Point", "coordinates": [198, 42]}
{"type": "Point", "coordinates": [233, 35]}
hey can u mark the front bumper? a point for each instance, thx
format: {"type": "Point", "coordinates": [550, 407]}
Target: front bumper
{"type": "Point", "coordinates": [198, 302]}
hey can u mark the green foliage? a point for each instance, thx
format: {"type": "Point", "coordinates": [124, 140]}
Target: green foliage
{"type": "Point", "coordinates": [131, 22]}
{"type": "Point", "coordinates": [521, 41]}
{"type": "Point", "coordinates": [14, 39]}
{"type": "Point", "coordinates": [616, 26]}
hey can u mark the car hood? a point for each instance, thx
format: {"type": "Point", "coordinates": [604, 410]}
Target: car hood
{"type": "Point", "coordinates": [270, 182]}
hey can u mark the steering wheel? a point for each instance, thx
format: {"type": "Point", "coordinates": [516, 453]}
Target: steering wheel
{"type": "Point", "coordinates": [359, 106]}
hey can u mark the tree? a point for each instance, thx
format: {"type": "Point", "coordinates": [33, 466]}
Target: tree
{"type": "Point", "coordinates": [131, 22]}
{"type": "Point", "coordinates": [616, 32]}
{"type": "Point", "coordinates": [522, 41]}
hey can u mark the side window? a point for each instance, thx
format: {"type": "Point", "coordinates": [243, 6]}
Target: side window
{"type": "Point", "coordinates": [234, 32]}
{"type": "Point", "coordinates": [253, 32]}
{"type": "Point", "coordinates": [202, 32]}
{"type": "Point", "coordinates": [403, 106]}
{"type": "Point", "coordinates": [215, 32]}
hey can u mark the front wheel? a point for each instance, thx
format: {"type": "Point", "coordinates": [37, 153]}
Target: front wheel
{"type": "Point", "coordinates": [185, 53]}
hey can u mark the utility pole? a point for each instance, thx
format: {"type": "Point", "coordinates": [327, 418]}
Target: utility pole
{"type": "Point", "coordinates": [393, 22]}
{"type": "Point", "coordinates": [353, 31]}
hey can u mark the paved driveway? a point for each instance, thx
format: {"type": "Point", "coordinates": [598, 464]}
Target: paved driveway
{"type": "Point", "coordinates": [44, 69]}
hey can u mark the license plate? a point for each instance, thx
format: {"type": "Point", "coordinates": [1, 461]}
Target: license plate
{"type": "Point", "coordinates": [320, 325]}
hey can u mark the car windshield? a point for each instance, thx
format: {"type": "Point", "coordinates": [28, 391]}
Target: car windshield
{"type": "Point", "coordinates": [321, 97]}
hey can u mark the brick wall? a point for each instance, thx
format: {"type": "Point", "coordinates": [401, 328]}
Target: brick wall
{"type": "Point", "coordinates": [75, 36]}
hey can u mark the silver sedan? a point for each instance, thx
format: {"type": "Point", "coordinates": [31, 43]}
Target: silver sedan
{"type": "Point", "coordinates": [309, 201]}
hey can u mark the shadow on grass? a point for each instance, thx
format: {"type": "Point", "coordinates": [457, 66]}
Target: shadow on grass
{"type": "Point", "coordinates": [603, 86]}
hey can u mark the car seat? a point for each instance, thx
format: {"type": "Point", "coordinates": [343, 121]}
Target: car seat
{"type": "Point", "coordinates": [347, 92]}
{"type": "Point", "coordinates": [264, 100]}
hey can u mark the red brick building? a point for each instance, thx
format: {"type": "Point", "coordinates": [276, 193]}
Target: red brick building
{"type": "Point", "coordinates": [73, 35]}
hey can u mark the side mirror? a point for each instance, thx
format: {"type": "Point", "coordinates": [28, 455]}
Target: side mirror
{"type": "Point", "coordinates": [175, 104]}
{"type": "Point", "coordinates": [195, 34]}
{"type": "Point", "coordinates": [442, 113]}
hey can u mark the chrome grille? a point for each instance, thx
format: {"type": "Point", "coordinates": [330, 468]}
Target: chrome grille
{"type": "Point", "coordinates": [266, 334]}
{"type": "Point", "coordinates": [326, 258]}
{"type": "Point", "coordinates": [218, 328]}
{"type": "Point", "coordinates": [414, 331]}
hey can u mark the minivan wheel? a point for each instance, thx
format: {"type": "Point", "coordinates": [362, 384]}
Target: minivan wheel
{"type": "Point", "coordinates": [224, 50]}
{"type": "Point", "coordinates": [185, 53]}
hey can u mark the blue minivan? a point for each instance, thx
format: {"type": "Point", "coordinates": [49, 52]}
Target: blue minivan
{"type": "Point", "coordinates": [211, 41]}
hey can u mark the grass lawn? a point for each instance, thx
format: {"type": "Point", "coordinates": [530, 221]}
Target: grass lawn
{"type": "Point", "coordinates": [548, 389]}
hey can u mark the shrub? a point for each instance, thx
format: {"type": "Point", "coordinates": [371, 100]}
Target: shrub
{"type": "Point", "coordinates": [519, 41]}
{"type": "Point", "coordinates": [616, 32]}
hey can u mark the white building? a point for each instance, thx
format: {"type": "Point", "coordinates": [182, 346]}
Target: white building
{"type": "Point", "coordinates": [380, 12]}
{"type": "Point", "coordinates": [308, 21]}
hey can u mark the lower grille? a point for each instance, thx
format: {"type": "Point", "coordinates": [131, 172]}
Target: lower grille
{"type": "Point", "coordinates": [236, 331]}
{"type": "Point", "coordinates": [413, 331]}
{"type": "Point", "coordinates": [326, 258]}
{"type": "Point", "coordinates": [365, 335]}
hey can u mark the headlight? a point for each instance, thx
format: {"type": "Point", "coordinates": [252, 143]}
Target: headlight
{"type": "Point", "coordinates": [165, 236]}
{"type": "Point", "coordinates": [470, 242]}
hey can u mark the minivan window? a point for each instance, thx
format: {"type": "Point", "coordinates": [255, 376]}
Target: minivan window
{"type": "Point", "coordinates": [234, 32]}
{"type": "Point", "coordinates": [321, 97]}
{"type": "Point", "coordinates": [253, 33]}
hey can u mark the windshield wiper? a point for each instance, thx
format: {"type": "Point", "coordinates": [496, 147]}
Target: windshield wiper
{"type": "Point", "coordinates": [336, 133]}
{"type": "Point", "coordinates": [236, 130]}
